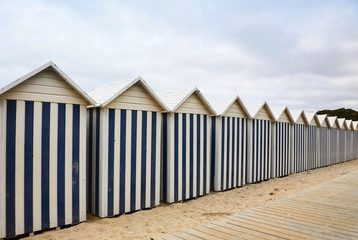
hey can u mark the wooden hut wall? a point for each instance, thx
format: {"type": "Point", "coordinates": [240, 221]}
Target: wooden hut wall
{"type": "Point", "coordinates": [186, 156]}
{"type": "Point", "coordinates": [323, 160]}
{"type": "Point", "coordinates": [333, 139]}
{"type": "Point", "coordinates": [312, 147]}
{"type": "Point", "coordinates": [299, 159]}
{"type": "Point", "coordinates": [342, 145]}
{"type": "Point", "coordinates": [43, 165]}
{"type": "Point", "coordinates": [124, 160]}
{"type": "Point", "coordinates": [349, 144]}
{"type": "Point", "coordinates": [230, 153]}
{"type": "Point", "coordinates": [259, 151]}
{"type": "Point", "coordinates": [355, 144]}
{"type": "Point", "coordinates": [281, 149]}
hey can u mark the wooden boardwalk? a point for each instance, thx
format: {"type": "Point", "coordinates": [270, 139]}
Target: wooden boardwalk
{"type": "Point", "coordinates": [326, 211]}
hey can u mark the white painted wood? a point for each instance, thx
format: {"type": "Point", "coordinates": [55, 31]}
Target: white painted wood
{"type": "Point", "coordinates": [187, 194]}
{"type": "Point", "coordinates": [42, 97]}
{"type": "Point", "coordinates": [218, 134]}
{"type": "Point", "coordinates": [170, 164]}
{"type": "Point", "coordinates": [82, 162]}
{"type": "Point", "coordinates": [2, 166]}
{"type": "Point", "coordinates": [93, 160]}
{"type": "Point", "coordinates": [193, 104]}
{"type": "Point", "coordinates": [128, 160]}
{"type": "Point", "coordinates": [249, 150]}
{"type": "Point", "coordinates": [195, 165]}
{"type": "Point", "coordinates": [19, 168]}
{"type": "Point", "coordinates": [208, 154]}
{"type": "Point", "coordinates": [235, 150]}
{"type": "Point", "coordinates": [37, 167]}
{"type": "Point", "coordinates": [138, 161]}
{"type": "Point", "coordinates": [53, 164]}
{"type": "Point", "coordinates": [201, 154]}
{"type": "Point", "coordinates": [230, 151]}
{"type": "Point", "coordinates": [103, 164]}
{"type": "Point", "coordinates": [116, 179]}
{"type": "Point", "coordinates": [284, 117]}
{"type": "Point", "coordinates": [224, 161]}
{"type": "Point", "coordinates": [157, 157]}
{"type": "Point", "coordinates": [148, 189]}
{"type": "Point", "coordinates": [235, 110]}
{"type": "Point", "coordinates": [68, 163]}
{"type": "Point", "coordinates": [180, 157]}
{"type": "Point", "coordinates": [263, 114]}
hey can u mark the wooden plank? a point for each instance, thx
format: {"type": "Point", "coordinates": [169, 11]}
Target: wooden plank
{"type": "Point", "coordinates": [201, 234]}
{"type": "Point", "coordinates": [214, 232]}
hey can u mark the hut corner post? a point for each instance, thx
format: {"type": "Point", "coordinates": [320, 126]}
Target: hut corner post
{"type": "Point", "coordinates": [2, 169]}
{"type": "Point", "coordinates": [249, 151]}
{"type": "Point", "coordinates": [217, 157]}
{"type": "Point", "coordinates": [170, 158]}
{"type": "Point", "coordinates": [273, 150]}
{"type": "Point", "coordinates": [103, 164]}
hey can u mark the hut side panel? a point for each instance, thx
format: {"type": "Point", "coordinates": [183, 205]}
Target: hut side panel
{"type": "Point", "coordinates": [46, 86]}
{"type": "Point", "coordinates": [258, 165]}
{"type": "Point", "coordinates": [281, 154]}
{"type": "Point", "coordinates": [193, 105]}
{"type": "Point", "coordinates": [349, 144]}
{"type": "Point", "coordinates": [323, 147]}
{"type": "Point", "coordinates": [342, 145]}
{"type": "Point", "coordinates": [235, 110]}
{"type": "Point", "coordinates": [355, 144]}
{"type": "Point", "coordinates": [333, 137]}
{"type": "Point", "coordinates": [43, 165]}
{"type": "Point", "coordinates": [230, 159]}
{"type": "Point", "coordinates": [186, 156]}
{"type": "Point", "coordinates": [312, 148]}
{"type": "Point", "coordinates": [299, 161]}
{"type": "Point", "coordinates": [124, 161]}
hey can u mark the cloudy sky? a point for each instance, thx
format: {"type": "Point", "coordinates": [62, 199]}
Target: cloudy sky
{"type": "Point", "coordinates": [303, 54]}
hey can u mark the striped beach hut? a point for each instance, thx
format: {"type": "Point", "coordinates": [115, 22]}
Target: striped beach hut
{"type": "Point", "coordinates": [124, 148]}
{"type": "Point", "coordinates": [323, 143]}
{"type": "Point", "coordinates": [355, 139]}
{"type": "Point", "coordinates": [299, 146]}
{"type": "Point", "coordinates": [342, 139]}
{"type": "Point", "coordinates": [333, 140]}
{"type": "Point", "coordinates": [229, 160]}
{"type": "Point", "coordinates": [312, 140]}
{"type": "Point", "coordinates": [43, 152]}
{"type": "Point", "coordinates": [187, 145]}
{"type": "Point", "coordinates": [259, 142]}
{"type": "Point", "coordinates": [281, 143]}
{"type": "Point", "coordinates": [349, 140]}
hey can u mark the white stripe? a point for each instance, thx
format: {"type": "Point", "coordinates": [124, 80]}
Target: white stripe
{"type": "Point", "coordinates": [224, 158]}
{"type": "Point", "coordinates": [128, 161]}
{"type": "Point", "coordinates": [93, 160]}
{"type": "Point", "coordinates": [2, 166]}
{"type": "Point", "coordinates": [201, 190]}
{"type": "Point", "coordinates": [148, 190]}
{"type": "Point", "coordinates": [235, 126]}
{"type": "Point", "coordinates": [157, 159]}
{"type": "Point", "coordinates": [239, 151]}
{"type": "Point", "coordinates": [37, 166]}
{"type": "Point", "coordinates": [82, 162]}
{"type": "Point", "coordinates": [208, 153]}
{"type": "Point", "coordinates": [195, 152]}
{"type": "Point", "coordinates": [187, 194]}
{"type": "Point", "coordinates": [245, 153]}
{"type": "Point", "coordinates": [217, 167]}
{"type": "Point", "coordinates": [230, 153]}
{"type": "Point", "coordinates": [68, 164]}
{"type": "Point", "coordinates": [138, 161]}
{"type": "Point", "coordinates": [180, 157]}
{"type": "Point", "coordinates": [103, 163]}
{"type": "Point", "coordinates": [170, 163]}
{"type": "Point", "coordinates": [19, 168]}
{"type": "Point", "coordinates": [117, 141]}
{"type": "Point", "coordinates": [53, 163]}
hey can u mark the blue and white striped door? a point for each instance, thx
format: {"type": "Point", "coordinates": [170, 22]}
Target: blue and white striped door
{"type": "Point", "coordinates": [124, 161]}
{"type": "Point", "coordinates": [186, 156]}
{"type": "Point", "coordinates": [281, 150]}
{"type": "Point", "coordinates": [299, 161]}
{"type": "Point", "coordinates": [43, 178]}
{"type": "Point", "coordinates": [230, 153]}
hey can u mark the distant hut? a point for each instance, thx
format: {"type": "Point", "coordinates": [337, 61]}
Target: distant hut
{"type": "Point", "coordinates": [259, 142]}
{"type": "Point", "coordinates": [324, 129]}
{"type": "Point", "coordinates": [299, 147]}
{"type": "Point", "coordinates": [334, 140]}
{"type": "Point", "coordinates": [124, 148]}
{"type": "Point", "coordinates": [349, 140]}
{"type": "Point", "coordinates": [43, 152]}
{"type": "Point", "coordinates": [186, 145]}
{"type": "Point", "coordinates": [230, 137]}
{"type": "Point", "coordinates": [355, 139]}
{"type": "Point", "coordinates": [312, 140]}
{"type": "Point", "coordinates": [342, 139]}
{"type": "Point", "coordinates": [282, 140]}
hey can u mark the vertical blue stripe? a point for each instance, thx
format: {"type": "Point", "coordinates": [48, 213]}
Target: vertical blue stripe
{"type": "Point", "coordinates": [90, 161]}
{"type": "Point", "coordinates": [154, 159]}
{"type": "Point", "coordinates": [10, 167]}
{"type": "Point", "coordinates": [76, 164]}
{"type": "Point", "coordinates": [191, 118]}
{"type": "Point", "coordinates": [205, 154]}
{"type": "Point", "coordinates": [176, 153]}
{"type": "Point", "coordinates": [61, 148]}
{"type": "Point", "coordinates": [133, 160]}
{"type": "Point", "coordinates": [253, 150]}
{"type": "Point", "coordinates": [122, 162]}
{"type": "Point", "coordinates": [232, 153]}
{"type": "Point", "coordinates": [165, 157]}
{"type": "Point", "coordinates": [45, 166]}
{"type": "Point", "coordinates": [243, 149]}
{"type": "Point", "coordinates": [213, 144]}
{"type": "Point", "coordinates": [144, 160]}
{"type": "Point", "coordinates": [227, 152]}
{"type": "Point", "coordinates": [265, 159]}
{"type": "Point", "coordinates": [222, 151]}
{"type": "Point", "coordinates": [111, 129]}
{"type": "Point", "coordinates": [198, 156]}
{"type": "Point", "coordinates": [184, 155]}
{"type": "Point", "coordinates": [29, 143]}
{"type": "Point", "coordinates": [98, 113]}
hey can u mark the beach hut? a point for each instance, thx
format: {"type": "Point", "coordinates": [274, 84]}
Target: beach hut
{"type": "Point", "coordinates": [323, 143]}
{"type": "Point", "coordinates": [259, 142]}
{"type": "Point", "coordinates": [186, 145]}
{"type": "Point", "coordinates": [312, 140]}
{"type": "Point", "coordinates": [349, 140]}
{"type": "Point", "coordinates": [355, 139]}
{"type": "Point", "coordinates": [43, 152]}
{"type": "Point", "coordinates": [299, 146]}
{"type": "Point", "coordinates": [333, 140]}
{"type": "Point", "coordinates": [230, 140]}
{"type": "Point", "coordinates": [342, 134]}
{"type": "Point", "coordinates": [281, 143]}
{"type": "Point", "coordinates": [124, 148]}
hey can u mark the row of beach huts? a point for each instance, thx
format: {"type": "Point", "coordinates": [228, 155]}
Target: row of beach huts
{"type": "Point", "coordinates": [121, 148]}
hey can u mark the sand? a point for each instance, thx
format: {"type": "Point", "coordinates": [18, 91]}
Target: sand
{"type": "Point", "coordinates": [169, 218]}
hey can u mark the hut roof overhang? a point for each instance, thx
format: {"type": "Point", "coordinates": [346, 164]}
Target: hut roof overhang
{"type": "Point", "coordinates": [312, 116]}
{"type": "Point", "coordinates": [221, 106]}
{"type": "Point", "coordinates": [323, 118]}
{"type": "Point", "coordinates": [278, 111]}
{"type": "Point", "coordinates": [333, 120]}
{"type": "Point", "coordinates": [296, 114]}
{"type": "Point", "coordinates": [255, 108]}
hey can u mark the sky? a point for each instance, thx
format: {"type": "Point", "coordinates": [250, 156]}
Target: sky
{"type": "Point", "coordinates": [303, 54]}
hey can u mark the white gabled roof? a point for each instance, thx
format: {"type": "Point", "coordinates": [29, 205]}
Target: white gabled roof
{"type": "Point", "coordinates": [173, 100]}
{"type": "Point", "coordinates": [332, 120]}
{"type": "Point", "coordinates": [58, 71]}
{"type": "Point", "coordinates": [255, 107]}
{"type": "Point", "coordinates": [349, 124]}
{"type": "Point", "coordinates": [105, 94]}
{"type": "Point", "coordinates": [310, 116]}
{"type": "Point", "coordinates": [279, 110]}
{"type": "Point", "coordinates": [222, 105]}
{"type": "Point", "coordinates": [297, 113]}
{"type": "Point", "coordinates": [355, 124]}
{"type": "Point", "coordinates": [342, 123]}
{"type": "Point", "coordinates": [322, 118]}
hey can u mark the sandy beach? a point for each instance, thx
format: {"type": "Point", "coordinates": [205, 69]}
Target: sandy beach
{"type": "Point", "coordinates": [169, 218]}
